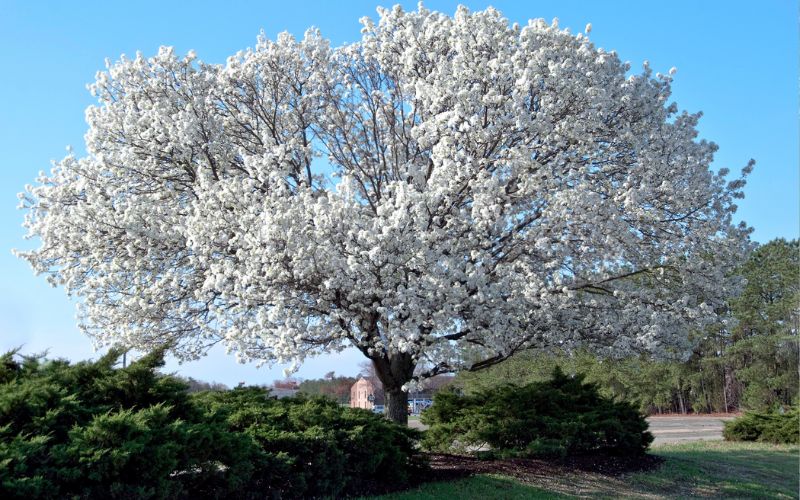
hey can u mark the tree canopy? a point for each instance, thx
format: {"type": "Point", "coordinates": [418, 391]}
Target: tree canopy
{"type": "Point", "coordinates": [440, 194]}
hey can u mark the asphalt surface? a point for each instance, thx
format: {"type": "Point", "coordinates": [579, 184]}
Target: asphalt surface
{"type": "Point", "coordinates": [680, 429]}
{"type": "Point", "coordinates": [672, 429]}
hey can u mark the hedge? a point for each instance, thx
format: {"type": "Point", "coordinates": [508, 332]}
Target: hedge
{"type": "Point", "coordinates": [90, 430]}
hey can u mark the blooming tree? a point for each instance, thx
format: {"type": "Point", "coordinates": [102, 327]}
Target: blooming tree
{"type": "Point", "coordinates": [441, 194]}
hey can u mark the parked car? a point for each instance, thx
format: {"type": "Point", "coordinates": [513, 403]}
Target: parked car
{"type": "Point", "coordinates": [379, 409]}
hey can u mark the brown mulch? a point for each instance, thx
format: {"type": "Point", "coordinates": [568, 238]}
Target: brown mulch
{"type": "Point", "coordinates": [449, 467]}
{"type": "Point", "coordinates": [539, 471]}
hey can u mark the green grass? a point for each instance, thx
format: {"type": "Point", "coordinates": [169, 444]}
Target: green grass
{"type": "Point", "coordinates": [723, 469]}
{"type": "Point", "coordinates": [710, 469]}
{"type": "Point", "coordinates": [484, 487]}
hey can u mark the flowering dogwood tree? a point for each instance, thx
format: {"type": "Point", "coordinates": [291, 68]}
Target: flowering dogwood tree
{"type": "Point", "coordinates": [441, 194]}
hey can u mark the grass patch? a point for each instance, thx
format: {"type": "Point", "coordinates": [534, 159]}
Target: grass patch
{"type": "Point", "coordinates": [485, 487]}
{"type": "Point", "coordinates": [723, 469]}
{"type": "Point", "coordinates": [711, 469]}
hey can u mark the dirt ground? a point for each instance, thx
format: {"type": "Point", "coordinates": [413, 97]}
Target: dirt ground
{"type": "Point", "coordinates": [597, 472]}
{"type": "Point", "coordinates": [535, 470]}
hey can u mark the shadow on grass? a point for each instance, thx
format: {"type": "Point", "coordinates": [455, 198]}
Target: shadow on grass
{"type": "Point", "coordinates": [711, 469]}
{"type": "Point", "coordinates": [484, 487]}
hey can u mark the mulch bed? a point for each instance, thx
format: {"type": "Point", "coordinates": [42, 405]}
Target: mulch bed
{"type": "Point", "coordinates": [450, 467]}
{"type": "Point", "coordinates": [538, 471]}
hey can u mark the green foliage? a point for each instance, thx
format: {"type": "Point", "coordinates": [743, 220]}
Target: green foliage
{"type": "Point", "coordinates": [748, 361]}
{"type": "Point", "coordinates": [90, 430]}
{"type": "Point", "coordinates": [560, 416]}
{"type": "Point", "coordinates": [336, 388]}
{"type": "Point", "coordinates": [765, 350]}
{"type": "Point", "coordinates": [776, 427]}
{"type": "Point", "coordinates": [653, 386]}
{"type": "Point", "coordinates": [321, 447]}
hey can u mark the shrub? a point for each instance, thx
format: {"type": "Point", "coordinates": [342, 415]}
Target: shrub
{"type": "Point", "coordinates": [324, 449]}
{"type": "Point", "coordinates": [776, 427]}
{"type": "Point", "coordinates": [558, 417]}
{"type": "Point", "coordinates": [90, 430]}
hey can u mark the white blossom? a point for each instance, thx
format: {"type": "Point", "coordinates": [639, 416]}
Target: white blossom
{"type": "Point", "coordinates": [499, 188]}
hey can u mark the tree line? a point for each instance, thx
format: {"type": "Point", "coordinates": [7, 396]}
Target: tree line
{"type": "Point", "coordinates": [747, 360]}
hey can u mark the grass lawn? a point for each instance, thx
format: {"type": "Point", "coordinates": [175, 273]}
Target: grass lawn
{"type": "Point", "coordinates": [710, 469]}
{"type": "Point", "coordinates": [484, 486]}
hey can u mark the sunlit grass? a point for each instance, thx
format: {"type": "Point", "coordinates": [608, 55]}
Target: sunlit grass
{"type": "Point", "coordinates": [720, 468]}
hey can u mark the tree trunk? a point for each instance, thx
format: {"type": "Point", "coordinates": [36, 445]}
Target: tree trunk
{"type": "Point", "coordinates": [397, 406]}
{"type": "Point", "coordinates": [725, 389]}
{"type": "Point", "coordinates": [394, 371]}
{"type": "Point", "coordinates": [680, 401]}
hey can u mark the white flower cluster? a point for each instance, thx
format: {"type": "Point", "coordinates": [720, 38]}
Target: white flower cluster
{"type": "Point", "coordinates": [500, 188]}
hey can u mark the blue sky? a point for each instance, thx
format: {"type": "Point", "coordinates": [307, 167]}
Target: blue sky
{"type": "Point", "coordinates": [736, 60]}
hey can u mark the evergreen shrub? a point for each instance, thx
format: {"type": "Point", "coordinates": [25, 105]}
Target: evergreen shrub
{"type": "Point", "coordinates": [775, 427]}
{"type": "Point", "coordinates": [90, 430]}
{"type": "Point", "coordinates": [561, 416]}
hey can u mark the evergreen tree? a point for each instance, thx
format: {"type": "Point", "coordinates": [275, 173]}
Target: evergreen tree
{"type": "Point", "coordinates": [765, 348]}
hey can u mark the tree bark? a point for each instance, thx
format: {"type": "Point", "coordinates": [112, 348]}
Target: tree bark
{"type": "Point", "coordinates": [725, 388]}
{"type": "Point", "coordinates": [397, 406]}
{"type": "Point", "coordinates": [394, 371]}
{"type": "Point", "coordinates": [680, 401]}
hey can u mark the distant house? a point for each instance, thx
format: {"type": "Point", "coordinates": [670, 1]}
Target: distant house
{"type": "Point", "coordinates": [366, 393]}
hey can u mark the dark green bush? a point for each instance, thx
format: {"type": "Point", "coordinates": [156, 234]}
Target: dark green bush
{"type": "Point", "coordinates": [89, 430]}
{"type": "Point", "coordinates": [323, 448]}
{"type": "Point", "coordinates": [559, 417]}
{"type": "Point", "coordinates": [776, 427]}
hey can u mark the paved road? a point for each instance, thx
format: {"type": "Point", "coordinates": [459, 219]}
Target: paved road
{"type": "Point", "coordinates": [677, 429]}
{"type": "Point", "coordinates": [680, 429]}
